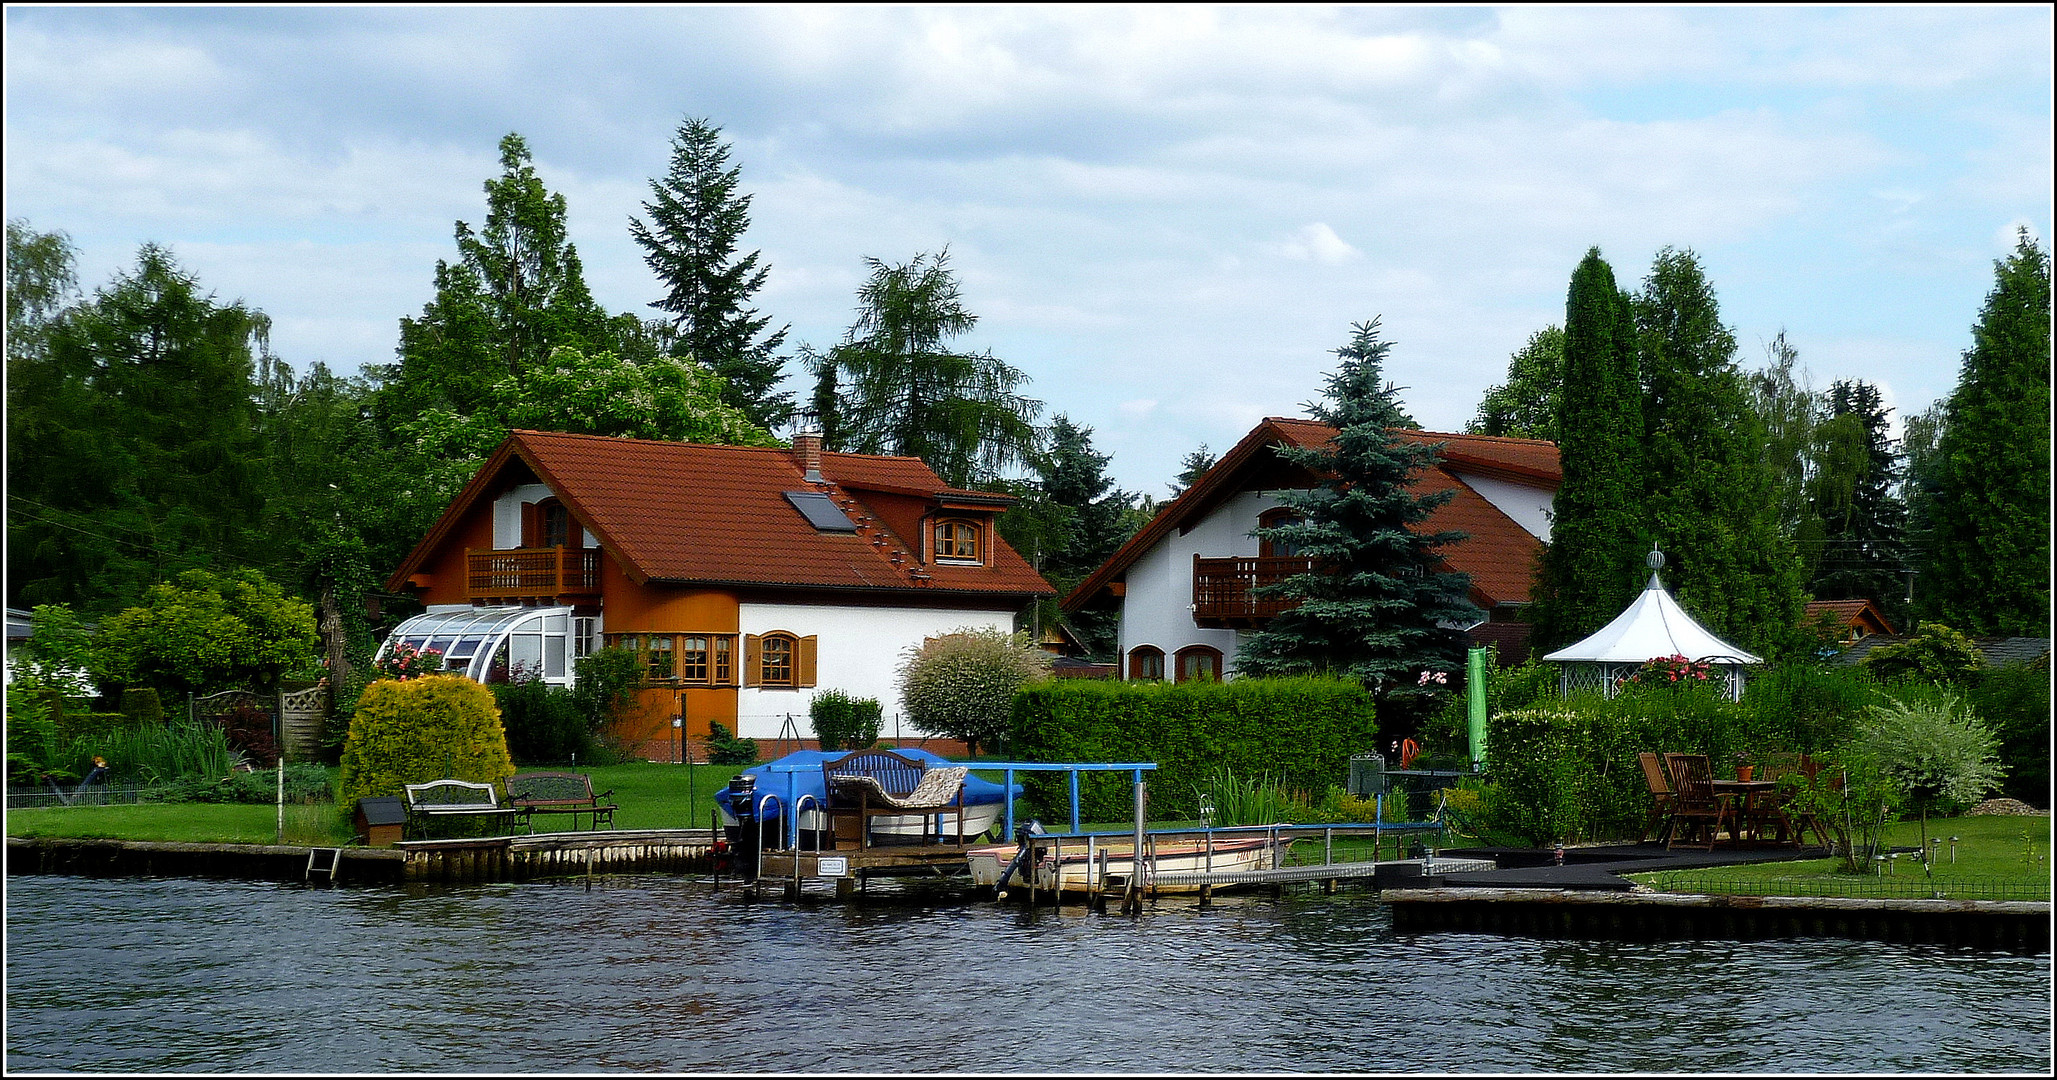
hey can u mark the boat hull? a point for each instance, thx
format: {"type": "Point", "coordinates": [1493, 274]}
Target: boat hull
{"type": "Point", "coordinates": [978, 818]}
{"type": "Point", "coordinates": [1080, 871]}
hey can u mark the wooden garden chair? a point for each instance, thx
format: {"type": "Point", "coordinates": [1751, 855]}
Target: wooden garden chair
{"type": "Point", "coordinates": [1694, 805]}
{"type": "Point", "coordinates": [1659, 823]}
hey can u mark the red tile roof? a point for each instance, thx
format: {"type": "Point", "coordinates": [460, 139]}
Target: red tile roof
{"type": "Point", "coordinates": [717, 515]}
{"type": "Point", "coordinates": [1499, 554]}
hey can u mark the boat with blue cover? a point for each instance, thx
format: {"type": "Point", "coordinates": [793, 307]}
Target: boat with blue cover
{"type": "Point", "coordinates": [766, 792]}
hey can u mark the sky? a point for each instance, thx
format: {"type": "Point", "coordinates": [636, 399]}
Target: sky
{"type": "Point", "coordinates": [1168, 217]}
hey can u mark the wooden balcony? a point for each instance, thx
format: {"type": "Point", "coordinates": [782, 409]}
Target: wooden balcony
{"type": "Point", "coordinates": [549, 575]}
{"type": "Point", "coordinates": [1225, 590]}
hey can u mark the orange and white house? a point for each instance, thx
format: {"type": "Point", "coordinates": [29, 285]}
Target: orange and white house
{"type": "Point", "coordinates": [743, 579]}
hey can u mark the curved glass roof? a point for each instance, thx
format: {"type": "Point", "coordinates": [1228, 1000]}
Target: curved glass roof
{"type": "Point", "coordinates": [532, 639]}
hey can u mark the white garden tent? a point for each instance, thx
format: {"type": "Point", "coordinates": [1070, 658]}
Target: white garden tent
{"type": "Point", "coordinates": [1653, 626]}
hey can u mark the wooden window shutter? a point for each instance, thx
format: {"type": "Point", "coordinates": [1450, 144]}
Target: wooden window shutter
{"type": "Point", "coordinates": [804, 663]}
{"type": "Point", "coordinates": [531, 526]}
{"type": "Point", "coordinates": [753, 659]}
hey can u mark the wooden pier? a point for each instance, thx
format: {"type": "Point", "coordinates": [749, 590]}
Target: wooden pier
{"type": "Point", "coordinates": [489, 859]}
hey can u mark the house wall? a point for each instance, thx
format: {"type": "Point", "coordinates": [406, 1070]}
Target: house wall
{"type": "Point", "coordinates": [507, 516]}
{"type": "Point", "coordinates": [446, 567]}
{"type": "Point", "coordinates": [1157, 608]}
{"type": "Point", "coordinates": [629, 608]}
{"type": "Point", "coordinates": [857, 650]}
{"type": "Point", "coordinates": [1528, 506]}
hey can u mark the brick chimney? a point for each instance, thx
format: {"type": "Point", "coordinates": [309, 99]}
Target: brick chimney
{"type": "Point", "coordinates": [807, 451]}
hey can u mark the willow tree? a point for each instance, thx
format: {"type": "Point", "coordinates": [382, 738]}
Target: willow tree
{"type": "Point", "coordinates": [895, 386]}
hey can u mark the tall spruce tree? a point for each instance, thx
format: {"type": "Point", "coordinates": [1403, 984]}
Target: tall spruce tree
{"type": "Point", "coordinates": [1380, 606]}
{"type": "Point", "coordinates": [1191, 468]}
{"type": "Point", "coordinates": [1863, 553]}
{"type": "Point", "coordinates": [1592, 566]}
{"type": "Point", "coordinates": [1709, 503]}
{"type": "Point", "coordinates": [697, 216]}
{"type": "Point", "coordinates": [1074, 476]}
{"type": "Point", "coordinates": [1986, 559]}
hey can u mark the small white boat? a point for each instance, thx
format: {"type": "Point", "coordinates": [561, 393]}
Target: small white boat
{"type": "Point", "coordinates": [977, 819]}
{"type": "Point", "coordinates": [1068, 864]}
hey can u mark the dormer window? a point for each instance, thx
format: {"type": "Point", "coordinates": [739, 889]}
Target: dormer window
{"type": "Point", "coordinates": [958, 541]}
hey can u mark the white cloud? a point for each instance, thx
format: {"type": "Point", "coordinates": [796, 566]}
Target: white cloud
{"type": "Point", "coordinates": [1316, 242]}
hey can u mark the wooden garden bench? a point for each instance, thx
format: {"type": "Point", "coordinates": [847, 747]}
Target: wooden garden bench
{"type": "Point", "coordinates": [879, 783]}
{"type": "Point", "coordinates": [444, 799]}
{"type": "Point", "coordinates": [559, 793]}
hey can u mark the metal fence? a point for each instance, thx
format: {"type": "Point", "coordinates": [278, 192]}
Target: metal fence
{"type": "Point", "coordinates": [1915, 886]}
{"type": "Point", "coordinates": [96, 795]}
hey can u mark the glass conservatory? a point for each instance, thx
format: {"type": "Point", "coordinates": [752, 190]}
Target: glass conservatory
{"type": "Point", "coordinates": [492, 644]}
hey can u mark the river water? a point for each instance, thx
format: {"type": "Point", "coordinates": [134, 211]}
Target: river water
{"type": "Point", "coordinates": [653, 973]}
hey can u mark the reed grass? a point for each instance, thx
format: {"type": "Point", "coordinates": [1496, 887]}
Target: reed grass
{"type": "Point", "coordinates": [154, 753]}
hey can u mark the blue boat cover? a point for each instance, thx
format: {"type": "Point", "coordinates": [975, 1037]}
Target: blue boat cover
{"type": "Point", "coordinates": [799, 774]}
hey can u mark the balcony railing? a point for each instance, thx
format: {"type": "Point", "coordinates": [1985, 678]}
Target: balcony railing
{"type": "Point", "coordinates": [1225, 590]}
{"type": "Point", "coordinates": [532, 573]}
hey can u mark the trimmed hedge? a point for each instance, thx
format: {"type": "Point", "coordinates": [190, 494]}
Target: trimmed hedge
{"type": "Point", "coordinates": [436, 727]}
{"type": "Point", "coordinates": [1301, 731]}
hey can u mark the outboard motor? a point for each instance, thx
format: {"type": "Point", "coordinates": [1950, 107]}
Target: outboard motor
{"type": "Point", "coordinates": [749, 832]}
{"type": "Point", "coordinates": [1024, 835]}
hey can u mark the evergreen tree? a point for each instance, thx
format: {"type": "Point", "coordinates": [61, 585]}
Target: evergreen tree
{"type": "Point", "coordinates": [1864, 553]}
{"type": "Point", "coordinates": [133, 450]}
{"type": "Point", "coordinates": [1986, 561]}
{"type": "Point", "coordinates": [893, 386]}
{"type": "Point", "coordinates": [1592, 566]}
{"type": "Point", "coordinates": [1096, 522]}
{"type": "Point", "coordinates": [1526, 406]}
{"type": "Point", "coordinates": [516, 293]}
{"type": "Point", "coordinates": [1709, 502]}
{"type": "Point", "coordinates": [1380, 607]}
{"type": "Point", "coordinates": [698, 215]}
{"type": "Point", "coordinates": [1191, 468]}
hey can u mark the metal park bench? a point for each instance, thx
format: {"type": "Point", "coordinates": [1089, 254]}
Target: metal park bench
{"type": "Point", "coordinates": [447, 799]}
{"type": "Point", "coordinates": [559, 793]}
{"type": "Point", "coordinates": [879, 783]}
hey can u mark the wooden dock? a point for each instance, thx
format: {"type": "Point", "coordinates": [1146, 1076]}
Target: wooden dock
{"type": "Point", "coordinates": [2017, 926]}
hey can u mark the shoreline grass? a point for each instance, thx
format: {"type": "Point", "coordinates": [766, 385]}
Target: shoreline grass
{"type": "Point", "coordinates": [1997, 858]}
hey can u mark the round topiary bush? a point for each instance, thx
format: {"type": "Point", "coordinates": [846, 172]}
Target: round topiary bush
{"type": "Point", "coordinates": [438, 727]}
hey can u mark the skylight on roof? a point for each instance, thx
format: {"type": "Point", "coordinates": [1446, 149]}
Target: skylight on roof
{"type": "Point", "coordinates": [821, 511]}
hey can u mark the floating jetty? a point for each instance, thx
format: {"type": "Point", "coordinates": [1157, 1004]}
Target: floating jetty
{"type": "Point", "coordinates": [2016, 926]}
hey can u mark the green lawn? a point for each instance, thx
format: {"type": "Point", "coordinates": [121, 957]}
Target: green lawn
{"type": "Point", "coordinates": [650, 796]}
{"type": "Point", "coordinates": [197, 823]}
{"type": "Point", "coordinates": [1998, 858]}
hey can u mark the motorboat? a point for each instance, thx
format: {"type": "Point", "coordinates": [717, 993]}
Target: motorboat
{"type": "Point", "coordinates": [1076, 864]}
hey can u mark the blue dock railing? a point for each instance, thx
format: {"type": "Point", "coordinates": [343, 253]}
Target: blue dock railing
{"type": "Point", "coordinates": [1136, 769]}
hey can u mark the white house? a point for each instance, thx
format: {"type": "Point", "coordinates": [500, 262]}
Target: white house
{"type": "Point", "coordinates": [1184, 583]}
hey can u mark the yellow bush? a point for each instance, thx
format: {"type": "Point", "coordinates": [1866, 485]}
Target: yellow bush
{"type": "Point", "coordinates": [437, 727]}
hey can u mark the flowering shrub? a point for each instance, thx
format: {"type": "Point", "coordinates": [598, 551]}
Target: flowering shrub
{"type": "Point", "coordinates": [405, 662]}
{"type": "Point", "coordinates": [962, 685]}
{"type": "Point", "coordinates": [1439, 678]}
{"type": "Point", "coordinates": [1673, 670]}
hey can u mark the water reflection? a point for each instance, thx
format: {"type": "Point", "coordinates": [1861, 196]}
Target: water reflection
{"type": "Point", "coordinates": [659, 973]}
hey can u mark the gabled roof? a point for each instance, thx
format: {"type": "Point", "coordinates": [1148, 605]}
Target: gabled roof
{"type": "Point", "coordinates": [1654, 625]}
{"type": "Point", "coordinates": [1845, 613]}
{"type": "Point", "coordinates": [691, 513]}
{"type": "Point", "coordinates": [1499, 554]}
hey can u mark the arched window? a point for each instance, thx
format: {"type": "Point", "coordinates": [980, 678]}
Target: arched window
{"type": "Point", "coordinates": [1146, 663]}
{"type": "Point", "coordinates": [958, 540]}
{"type": "Point", "coordinates": [1199, 662]}
{"type": "Point", "coordinates": [1271, 519]}
{"type": "Point", "coordinates": [777, 659]}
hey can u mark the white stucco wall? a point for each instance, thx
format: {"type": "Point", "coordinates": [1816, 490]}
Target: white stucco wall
{"type": "Point", "coordinates": [1158, 606]}
{"type": "Point", "coordinates": [857, 651]}
{"type": "Point", "coordinates": [1528, 506]}
{"type": "Point", "coordinates": [507, 515]}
